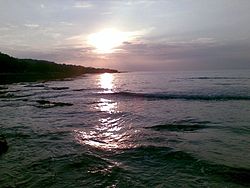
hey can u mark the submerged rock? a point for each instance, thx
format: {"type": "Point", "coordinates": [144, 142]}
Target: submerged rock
{"type": "Point", "coordinates": [49, 104]}
{"type": "Point", "coordinates": [177, 127]}
{"type": "Point", "coordinates": [6, 95]}
{"type": "Point", "coordinates": [3, 92]}
{"type": "Point", "coordinates": [3, 88]}
{"type": "Point", "coordinates": [3, 145]}
{"type": "Point", "coordinates": [60, 88]}
{"type": "Point", "coordinates": [34, 85]}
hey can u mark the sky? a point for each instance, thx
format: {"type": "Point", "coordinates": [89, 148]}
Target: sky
{"type": "Point", "coordinates": [129, 35]}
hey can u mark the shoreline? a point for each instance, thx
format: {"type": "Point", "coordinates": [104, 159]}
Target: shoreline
{"type": "Point", "coordinates": [10, 78]}
{"type": "Point", "coordinates": [14, 70]}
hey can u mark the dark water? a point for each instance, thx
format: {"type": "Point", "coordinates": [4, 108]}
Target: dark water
{"type": "Point", "coordinates": [172, 129]}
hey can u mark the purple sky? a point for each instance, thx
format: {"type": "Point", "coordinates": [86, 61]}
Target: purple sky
{"type": "Point", "coordinates": [151, 35]}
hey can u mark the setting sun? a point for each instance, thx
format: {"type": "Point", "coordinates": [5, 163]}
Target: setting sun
{"type": "Point", "coordinates": [107, 40]}
{"type": "Point", "coordinates": [125, 93]}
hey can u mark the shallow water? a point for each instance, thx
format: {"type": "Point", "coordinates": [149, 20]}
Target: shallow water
{"type": "Point", "coordinates": [141, 129]}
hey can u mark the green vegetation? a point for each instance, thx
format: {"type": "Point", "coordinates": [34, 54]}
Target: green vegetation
{"type": "Point", "coordinates": [21, 70]}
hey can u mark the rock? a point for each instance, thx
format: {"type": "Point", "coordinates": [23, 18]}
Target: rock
{"type": "Point", "coordinates": [3, 88]}
{"type": "Point", "coordinates": [34, 85]}
{"type": "Point", "coordinates": [49, 104]}
{"type": "Point", "coordinates": [3, 145]}
{"type": "Point", "coordinates": [60, 88]}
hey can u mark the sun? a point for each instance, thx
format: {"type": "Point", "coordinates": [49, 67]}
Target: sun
{"type": "Point", "coordinates": [107, 40]}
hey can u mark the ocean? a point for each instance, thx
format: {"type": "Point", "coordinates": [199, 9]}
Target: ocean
{"type": "Point", "coordinates": [135, 129]}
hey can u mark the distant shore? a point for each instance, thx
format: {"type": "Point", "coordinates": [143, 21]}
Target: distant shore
{"type": "Point", "coordinates": [13, 70]}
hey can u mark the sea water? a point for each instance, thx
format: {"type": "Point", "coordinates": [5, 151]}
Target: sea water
{"type": "Point", "coordinates": [136, 129]}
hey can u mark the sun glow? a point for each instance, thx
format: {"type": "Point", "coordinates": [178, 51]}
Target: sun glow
{"type": "Point", "coordinates": [107, 40]}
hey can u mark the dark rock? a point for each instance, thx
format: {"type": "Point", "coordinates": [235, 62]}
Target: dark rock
{"type": "Point", "coordinates": [43, 102]}
{"type": "Point", "coordinates": [3, 88]}
{"type": "Point", "coordinates": [3, 145]}
{"type": "Point", "coordinates": [60, 88]}
{"type": "Point", "coordinates": [34, 85]}
{"type": "Point", "coordinates": [3, 92]}
{"type": "Point", "coordinates": [7, 95]}
{"type": "Point", "coordinates": [49, 104]}
{"type": "Point", "coordinates": [177, 127]}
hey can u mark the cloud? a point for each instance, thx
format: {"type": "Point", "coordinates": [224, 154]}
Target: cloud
{"type": "Point", "coordinates": [82, 4]}
{"type": "Point", "coordinates": [4, 29]}
{"type": "Point", "coordinates": [106, 13]}
{"type": "Point", "coordinates": [193, 54]}
{"type": "Point", "coordinates": [204, 40]}
{"type": "Point", "coordinates": [31, 25]}
{"type": "Point", "coordinates": [183, 56]}
{"type": "Point", "coordinates": [139, 2]}
{"type": "Point", "coordinates": [149, 56]}
{"type": "Point", "coordinates": [66, 23]}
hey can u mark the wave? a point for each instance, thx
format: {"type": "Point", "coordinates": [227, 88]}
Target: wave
{"type": "Point", "coordinates": [186, 162]}
{"type": "Point", "coordinates": [188, 124]}
{"type": "Point", "coordinates": [217, 78]}
{"type": "Point", "coordinates": [165, 96]}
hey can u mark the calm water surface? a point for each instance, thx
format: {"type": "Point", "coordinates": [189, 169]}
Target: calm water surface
{"type": "Point", "coordinates": [141, 129]}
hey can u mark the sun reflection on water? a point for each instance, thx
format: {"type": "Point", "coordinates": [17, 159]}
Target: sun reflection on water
{"type": "Point", "coordinates": [106, 82]}
{"type": "Point", "coordinates": [110, 130]}
{"type": "Point", "coordinates": [109, 134]}
{"type": "Point", "coordinates": [106, 105]}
